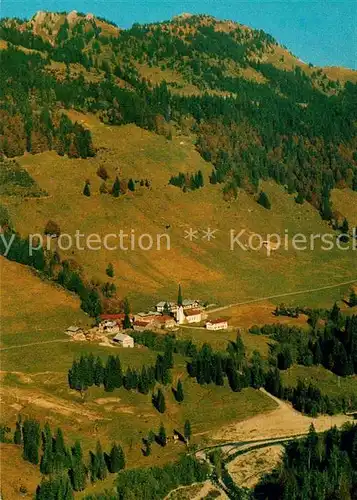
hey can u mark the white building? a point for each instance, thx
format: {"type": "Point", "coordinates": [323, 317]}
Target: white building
{"type": "Point", "coordinates": [108, 326]}
{"type": "Point", "coordinates": [161, 306]}
{"type": "Point", "coordinates": [124, 340]}
{"type": "Point", "coordinates": [193, 316]}
{"type": "Point", "coordinates": [190, 304]}
{"type": "Point", "coordinates": [180, 316]}
{"type": "Point", "coordinates": [217, 324]}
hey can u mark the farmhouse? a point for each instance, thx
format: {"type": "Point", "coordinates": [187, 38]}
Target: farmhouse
{"type": "Point", "coordinates": [113, 318]}
{"type": "Point", "coordinates": [190, 304]}
{"type": "Point", "coordinates": [217, 324]}
{"type": "Point", "coordinates": [108, 326]}
{"type": "Point", "coordinates": [147, 318]}
{"type": "Point", "coordinates": [166, 304]}
{"type": "Point", "coordinates": [124, 340]}
{"type": "Point", "coordinates": [164, 322]}
{"type": "Point", "coordinates": [145, 315]}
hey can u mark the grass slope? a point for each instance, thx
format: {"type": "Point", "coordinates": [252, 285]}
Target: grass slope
{"type": "Point", "coordinates": [33, 310]}
{"type": "Point", "coordinates": [209, 270]}
{"type": "Point", "coordinates": [328, 382]}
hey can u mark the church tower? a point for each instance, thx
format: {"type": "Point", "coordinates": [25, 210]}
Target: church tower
{"type": "Point", "coordinates": [180, 315]}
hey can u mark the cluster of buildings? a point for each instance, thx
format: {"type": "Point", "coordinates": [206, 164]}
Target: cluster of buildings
{"type": "Point", "coordinates": [166, 316]}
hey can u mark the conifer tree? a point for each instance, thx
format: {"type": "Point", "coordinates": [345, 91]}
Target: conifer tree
{"type": "Point", "coordinates": [101, 465]}
{"type": "Point", "coordinates": [179, 395]}
{"type": "Point", "coordinates": [55, 488]}
{"type": "Point", "coordinates": [78, 472]}
{"type": "Point", "coordinates": [168, 359]}
{"type": "Point", "coordinates": [187, 430]}
{"type": "Point", "coordinates": [200, 181]}
{"type": "Point", "coordinates": [98, 372]}
{"type": "Point", "coordinates": [234, 380]}
{"type": "Point", "coordinates": [116, 458]}
{"type": "Point", "coordinates": [161, 437]}
{"type": "Point", "coordinates": [353, 298]}
{"type": "Point", "coordinates": [126, 322]}
{"type": "Point", "coordinates": [116, 188]}
{"type": "Point", "coordinates": [345, 227]}
{"type": "Point", "coordinates": [264, 201]}
{"type": "Point", "coordinates": [86, 190]}
{"type": "Point", "coordinates": [93, 466]}
{"type": "Point", "coordinates": [60, 453]}
{"type": "Point", "coordinates": [110, 270]}
{"type": "Point", "coordinates": [144, 381]}
{"type": "Point", "coordinates": [218, 371]}
{"type": "Point", "coordinates": [131, 185]}
{"type": "Point", "coordinates": [47, 459]}
{"type": "Point", "coordinates": [31, 440]}
{"type": "Point", "coordinates": [299, 199]}
{"type": "Point", "coordinates": [213, 177]}
{"type": "Point", "coordinates": [18, 432]}
{"type": "Point", "coordinates": [159, 401]}
{"type": "Point", "coordinates": [335, 314]}
{"type": "Point", "coordinates": [113, 376]}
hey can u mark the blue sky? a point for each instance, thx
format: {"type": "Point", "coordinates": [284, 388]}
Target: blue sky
{"type": "Point", "coordinates": [322, 32]}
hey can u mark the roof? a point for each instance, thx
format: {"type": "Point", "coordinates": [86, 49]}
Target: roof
{"type": "Point", "coordinates": [112, 316]}
{"type": "Point", "coordinates": [73, 329]}
{"type": "Point", "coordinates": [193, 312]}
{"type": "Point", "coordinates": [164, 318]}
{"type": "Point", "coordinates": [141, 323]}
{"type": "Point", "coordinates": [122, 337]}
{"type": "Point", "coordinates": [187, 302]}
{"type": "Point", "coordinates": [216, 321]}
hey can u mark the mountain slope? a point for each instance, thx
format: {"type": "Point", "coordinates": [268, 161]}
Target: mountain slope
{"type": "Point", "coordinates": [167, 104]}
{"type": "Point", "coordinates": [209, 270]}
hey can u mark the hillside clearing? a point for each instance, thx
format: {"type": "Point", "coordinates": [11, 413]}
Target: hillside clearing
{"type": "Point", "coordinates": [284, 421]}
{"type": "Point", "coordinates": [246, 470]}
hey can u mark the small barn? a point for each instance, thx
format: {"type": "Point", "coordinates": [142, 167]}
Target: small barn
{"type": "Point", "coordinates": [124, 340]}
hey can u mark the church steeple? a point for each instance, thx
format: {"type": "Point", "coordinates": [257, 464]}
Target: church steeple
{"type": "Point", "coordinates": [179, 297]}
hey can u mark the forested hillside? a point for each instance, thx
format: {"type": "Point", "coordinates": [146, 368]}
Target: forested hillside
{"type": "Point", "coordinates": [320, 466]}
{"type": "Point", "coordinates": [254, 117]}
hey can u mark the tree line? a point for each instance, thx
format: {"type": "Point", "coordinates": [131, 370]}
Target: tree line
{"type": "Point", "coordinates": [88, 371]}
{"type": "Point", "coordinates": [64, 468]}
{"type": "Point", "coordinates": [322, 466]}
{"type": "Point", "coordinates": [64, 272]}
{"type": "Point", "coordinates": [333, 346]}
{"type": "Point", "coordinates": [156, 482]}
{"type": "Point", "coordinates": [188, 182]}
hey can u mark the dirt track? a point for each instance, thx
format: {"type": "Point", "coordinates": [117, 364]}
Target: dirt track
{"type": "Point", "coordinates": [282, 422]}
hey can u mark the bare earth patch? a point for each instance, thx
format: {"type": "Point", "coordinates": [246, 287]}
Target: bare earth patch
{"type": "Point", "coordinates": [103, 401]}
{"type": "Point", "coordinates": [23, 398]}
{"type": "Point", "coordinates": [246, 470]}
{"type": "Point", "coordinates": [283, 422]}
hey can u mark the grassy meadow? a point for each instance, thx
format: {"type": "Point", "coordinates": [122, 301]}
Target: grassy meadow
{"type": "Point", "coordinates": [207, 270]}
{"type": "Point", "coordinates": [329, 383]}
